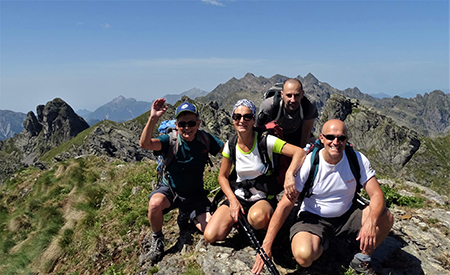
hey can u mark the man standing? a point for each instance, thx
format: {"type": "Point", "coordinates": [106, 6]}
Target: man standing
{"type": "Point", "coordinates": [330, 210]}
{"type": "Point", "coordinates": [182, 184]}
{"type": "Point", "coordinates": [296, 114]}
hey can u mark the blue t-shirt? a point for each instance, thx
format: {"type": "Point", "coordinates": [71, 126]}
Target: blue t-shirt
{"type": "Point", "coordinates": [188, 165]}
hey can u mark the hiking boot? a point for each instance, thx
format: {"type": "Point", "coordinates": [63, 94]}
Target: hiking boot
{"type": "Point", "coordinates": [361, 267]}
{"type": "Point", "coordinates": [183, 220]}
{"type": "Point", "coordinates": [156, 250]}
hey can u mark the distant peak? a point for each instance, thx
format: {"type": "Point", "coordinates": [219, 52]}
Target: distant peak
{"type": "Point", "coordinates": [121, 99]}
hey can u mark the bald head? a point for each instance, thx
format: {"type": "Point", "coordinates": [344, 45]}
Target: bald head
{"type": "Point", "coordinates": [293, 84]}
{"type": "Point", "coordinates": [334, 125]}
{"type": "Point", "coordinates": [334, 137]}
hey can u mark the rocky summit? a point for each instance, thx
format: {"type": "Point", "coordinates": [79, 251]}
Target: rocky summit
{"type": "Point", "coordinates": [53, 124]}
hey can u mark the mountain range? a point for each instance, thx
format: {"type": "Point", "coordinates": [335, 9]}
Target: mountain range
{"type": "Point", "coordinates": [74, 198]}
{"type": "Point", "coordinates": [122, 109]}
{"type": "Point", "coordinates": [428, 114]}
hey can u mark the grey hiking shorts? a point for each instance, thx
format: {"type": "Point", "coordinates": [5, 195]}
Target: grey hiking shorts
{"type": "Point", "coordinates": [193, 206]}
{"type": "Point", "coordinates": [347, 225]}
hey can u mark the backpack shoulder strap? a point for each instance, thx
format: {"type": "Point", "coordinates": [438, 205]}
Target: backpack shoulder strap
{"type": "Point", "coordinates": [354, 164]}
{"type": "Point", "coordinates": [317, 146]}
{"type": "Point", "coordinates": [232, 147]}
{"type": "Point", "coordinates": [277, 107]}
{"type": "Point", "coordinates": [204, 138]}
{"type": "Point", "coordinates": [173, 147]}
{"type": "Point", "coordinates": [262, 148]}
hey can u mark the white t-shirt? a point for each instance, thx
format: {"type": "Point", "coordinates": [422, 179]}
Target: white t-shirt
{"type": "Point", "coordinates": [334, 186]}
{"type": "Point", "coordinates": [248, 164]}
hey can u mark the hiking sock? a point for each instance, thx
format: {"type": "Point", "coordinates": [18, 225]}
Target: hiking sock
{"type": "Point", "coordinates": [363, 257]}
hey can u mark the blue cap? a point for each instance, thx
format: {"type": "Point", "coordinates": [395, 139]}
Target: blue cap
{"type": "Point", "coordinates": [186, 107]}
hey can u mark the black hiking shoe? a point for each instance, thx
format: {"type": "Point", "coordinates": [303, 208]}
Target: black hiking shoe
{"type": "Point", "coordinates": [361, 267]}
{"type": "Point", "coordinates": [183, 221]}
{"type": "Point", "coordinates": [156, 250]}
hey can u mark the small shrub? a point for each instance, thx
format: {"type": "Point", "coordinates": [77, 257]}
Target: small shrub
{"type": "Point", "coordinates": [211, 181]}
{"type": "Point", "coordinates": [66, 239]}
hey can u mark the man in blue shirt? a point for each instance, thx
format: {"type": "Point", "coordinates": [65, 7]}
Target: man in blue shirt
{"type": "Point", "coordinates": [182, 186]}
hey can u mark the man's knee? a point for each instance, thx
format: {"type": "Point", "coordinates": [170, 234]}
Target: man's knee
{"type": "Point", "coordinates": [158, 202]}
{"type": "Point", "coordinates": [306, 248]}
{"type": "Point", "coordinates": [303, 255]}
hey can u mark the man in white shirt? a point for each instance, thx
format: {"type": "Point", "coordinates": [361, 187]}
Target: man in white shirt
{"type": "Point", "coordinates": [330, 211]}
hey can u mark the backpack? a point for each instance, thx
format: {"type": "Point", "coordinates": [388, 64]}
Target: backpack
{"type": "Point", "coordinates": [167, 126]}
{"type": "Point", "coordinates": [164, 161]}
{"type": "Point", "coordinates": [352, 160]}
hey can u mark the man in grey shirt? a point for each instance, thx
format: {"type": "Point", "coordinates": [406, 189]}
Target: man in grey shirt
{"type": "Point", "coordinates": [295, 113]}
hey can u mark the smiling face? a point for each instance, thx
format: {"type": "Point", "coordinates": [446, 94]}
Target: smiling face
{"type": "Point", "coordinates": [334, 138]}
{"type": "Point", "coordinates": [185, 119]}
{"type": "Point", "coordinates": [244, 123]}
{"type": "Point", "coordinates": [292, 95]}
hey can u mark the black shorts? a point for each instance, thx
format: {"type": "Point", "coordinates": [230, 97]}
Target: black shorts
{"type": "Point", "coordinates": [193, 206]}
{"type": "Point", "coordinates": [248, 204]}
{"type": "Point", "coordinates": [347, 225]}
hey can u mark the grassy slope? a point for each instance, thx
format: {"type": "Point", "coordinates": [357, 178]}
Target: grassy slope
{"type": "Point", "coordinates": [80, 215]}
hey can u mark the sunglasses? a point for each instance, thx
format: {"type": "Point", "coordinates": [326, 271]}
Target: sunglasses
{"type": "Point", "coordinates": [247, 117]}
{"type": "Point", "coordinates": [332, 137]}
{"type": "Point", "coordinates": [190, 123]}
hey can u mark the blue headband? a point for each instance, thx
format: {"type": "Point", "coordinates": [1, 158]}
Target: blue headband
{"type": "Point", "coordinates": [247, 103]}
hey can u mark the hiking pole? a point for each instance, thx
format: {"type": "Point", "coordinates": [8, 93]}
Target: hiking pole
{"type": "Point", "coordinates": [251, 235]}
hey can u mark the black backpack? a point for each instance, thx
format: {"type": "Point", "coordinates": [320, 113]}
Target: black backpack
{"type": "Point", "coordinates": [314, 150]}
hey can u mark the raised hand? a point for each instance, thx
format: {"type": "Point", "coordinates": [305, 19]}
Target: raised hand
{"type": "Point", "coordinates": [158, 108]}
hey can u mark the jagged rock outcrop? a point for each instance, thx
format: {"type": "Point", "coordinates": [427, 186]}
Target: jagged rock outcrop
{"type": "Point", "coordinates": [55, 124]}
{"type": "Point", "coordinates": [108, 139]}
{"type": "Point", "coordinates": [387, 145]}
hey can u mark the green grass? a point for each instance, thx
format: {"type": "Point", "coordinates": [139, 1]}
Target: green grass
{"type": "Point", "coordinates": [393, 197]}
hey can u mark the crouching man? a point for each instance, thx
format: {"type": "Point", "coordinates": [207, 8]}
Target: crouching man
{"type": "Point", "coordinates": [330, 212]}
{"type": "Point", "coordinates": [182, 183]}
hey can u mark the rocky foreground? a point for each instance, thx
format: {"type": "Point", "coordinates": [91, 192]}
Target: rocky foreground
{"type": "Point", "coordinates": [419, 243]}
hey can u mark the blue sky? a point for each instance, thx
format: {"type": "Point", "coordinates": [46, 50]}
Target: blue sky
{"type": "Point", "coordinates": [89, 52]}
